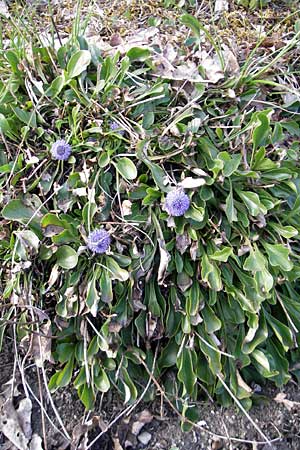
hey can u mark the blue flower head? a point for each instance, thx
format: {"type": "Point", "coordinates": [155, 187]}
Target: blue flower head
{"type": "Point", "coordinates": [114, 126]}
{"type": "Point", "coordinates": [98, 241]}
{"type": "Point", "coordinates": [61, 150]}
{"type": "Point", "coordinates": [177, 203]}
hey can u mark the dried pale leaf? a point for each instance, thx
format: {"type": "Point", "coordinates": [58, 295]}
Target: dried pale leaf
{"type": "Point", "coordinates": [53, 276]}
{"type": "Point", "coordinates": [151, 326]}
{"type": "Point", "coordinates": [83, 444]}
{"type": "Point", "coordinates": [182, 242]}
{"type": "Point", "coordinates": [165, 258]}
{"type": "Point", "coordinates": [191, 183]}
{"type": "Point", "coordinates": [169, 52]}
{"type": "Point", "coordinates": [289, 404]}
{"type": "Point", "coordinates": [41, 344]}
{"type": "Point", "coordinates": [80, 192]}
{"type": "Point", "coordinates": [117, 445]}
{"type": "Point", "coordinates": [10, 427]}
{"type": "Point", "coordinates": [187, 72]}
{"type": "Point", "coordinates": [36, 442]}
{"type": "Point", "coordinates": [212, 67]}
{"type": "Point", "coordinates": [231, 63]}
{"type": "Point", "coordinates": [4, 9]}
{"type": "Point", "coordinates": [199, 172]}
{"type": "Point", "coordinates": [24, 415]}
{"type": "Point", "coordinates": [194, 250]}
{"type": "Point", "coordinates": [221, 5]}
{"type": "Point", "coordinates": [126, 207]}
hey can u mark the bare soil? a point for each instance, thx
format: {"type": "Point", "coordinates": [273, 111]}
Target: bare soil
{"type": "Point", "coordinates": [275, 419]}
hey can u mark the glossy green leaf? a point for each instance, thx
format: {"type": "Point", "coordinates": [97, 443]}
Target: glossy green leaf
{"type": "Point", "coordinates": [66, 257]}
{"type": "Point", "coordinates": [185, 371]}
{"type": "Point", "coordinates": [279, 256]}
{"type": "Point", "coordinates": [126, 168]}
{"type": "Point", "coordinates": [79, 61]}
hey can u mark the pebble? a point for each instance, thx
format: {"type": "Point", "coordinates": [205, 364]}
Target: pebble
{"type": "Point", "coordinates": [144, 438]}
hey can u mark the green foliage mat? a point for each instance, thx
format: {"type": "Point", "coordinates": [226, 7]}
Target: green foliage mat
{"type": "Point", "coordinates": [202, 301]}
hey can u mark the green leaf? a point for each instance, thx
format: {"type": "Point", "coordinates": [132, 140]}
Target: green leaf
{"type": "Point", "coordinates": [231, 163]}
{"type": "Point", "coordinates": [279, 256]}
{"type": "Point", "coordinates": [65, 375]}
{"type": "Point", "coordinates": [222, 255]}
{"type": "Point", "coordinates": [4, 125]}
{"type": "Point", "coordinates": [211, 274]}
{"type": "Point", "coordinates": [196, 213]}
{"type": "Point", "coordinates": [168, 355]}
{"type": "Point", "coordinates": [129, 387]}
{"type": "Point", "coordinates": [230, 210]}
{"type": "Point", "coordinates": [286, 231]}
{"type": "Point", "coordinates": [27, 117]}
{"type": "Point", "coordinates": [186, 372]}
{"type": "Point", "coordinates": [115, 271]}
{"type": "Point", "coordinates": [57, 86]}
{"type": "Point", "coordinates": [138, 54]}
{"type": "Point", "coordinates": [102, 381]}
{"type": "Point", "coordinates": [282, 332]}
{"type": "Point", "coordinates": [192, 23]}
{"type": "Point", "coordinates": [253, 203]}
{"type": "Point", "coordinates": [106, 287]}
{"type": "Point", "coordinates": [52, 385]}
{"type": "Point", "coordinates": [262, 131]}
{"type": "Point", "coordinates": [255, 261]}
{"type": "Point", "coordinates": [211, 321]}
{"type": "Point", "coordinates": [78, 63]}
{"type": "Point", "coordinates": [66, 257]}
{"type": "Point", "coordinates": [87, 396]}
{"type": "Point", "coordinates": [126, 168]}
{"type": "Point", "coordinates": [18, 210]}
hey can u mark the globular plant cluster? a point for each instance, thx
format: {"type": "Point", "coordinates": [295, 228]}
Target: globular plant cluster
{"type": "Point", "coordinates": [150, 221]}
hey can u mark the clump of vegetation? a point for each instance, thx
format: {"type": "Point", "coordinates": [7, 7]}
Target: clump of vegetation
{"type": "Point", "coordinates": [150, 215]}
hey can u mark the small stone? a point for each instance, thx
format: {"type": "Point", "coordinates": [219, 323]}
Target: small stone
{"type": "Point", "coordinates": [144, 438]}
{"type": "Point", "coordinates": [116, 40]}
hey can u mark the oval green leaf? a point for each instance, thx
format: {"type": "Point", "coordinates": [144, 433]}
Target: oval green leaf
{"type": "Point", "coordinates": [126, 168]}
{"type": "Point", "coordinates": [78, 63]}
{"type": "Point", "coordinates": [67, 257]}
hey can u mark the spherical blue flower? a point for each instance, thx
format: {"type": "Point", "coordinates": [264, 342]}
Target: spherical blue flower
{"type": "Point", "coordinates": [177, 203]}
{"type": "Point", "coordinates": [98, 241]}
{"type": "Point", "coordinates": [114, 126]}
{"type": "Point", "coordinates": [61, 150]}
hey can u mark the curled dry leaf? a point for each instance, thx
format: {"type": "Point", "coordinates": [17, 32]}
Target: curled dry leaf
{"type": "Point", "coordinates": [24, 415]}
{"type": "Point", "coordinates": [165, 258]}
{"type": "Point", "coordinates": [10, 426]}
{"type": "Point", "coordinates": [55, 272]}
{"type": "Point", "coordinates": [182, 242]}
{"type": "Point", "coordinates": [41, 344]}
{"type": "Point", "coordinates": [289, 404]}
